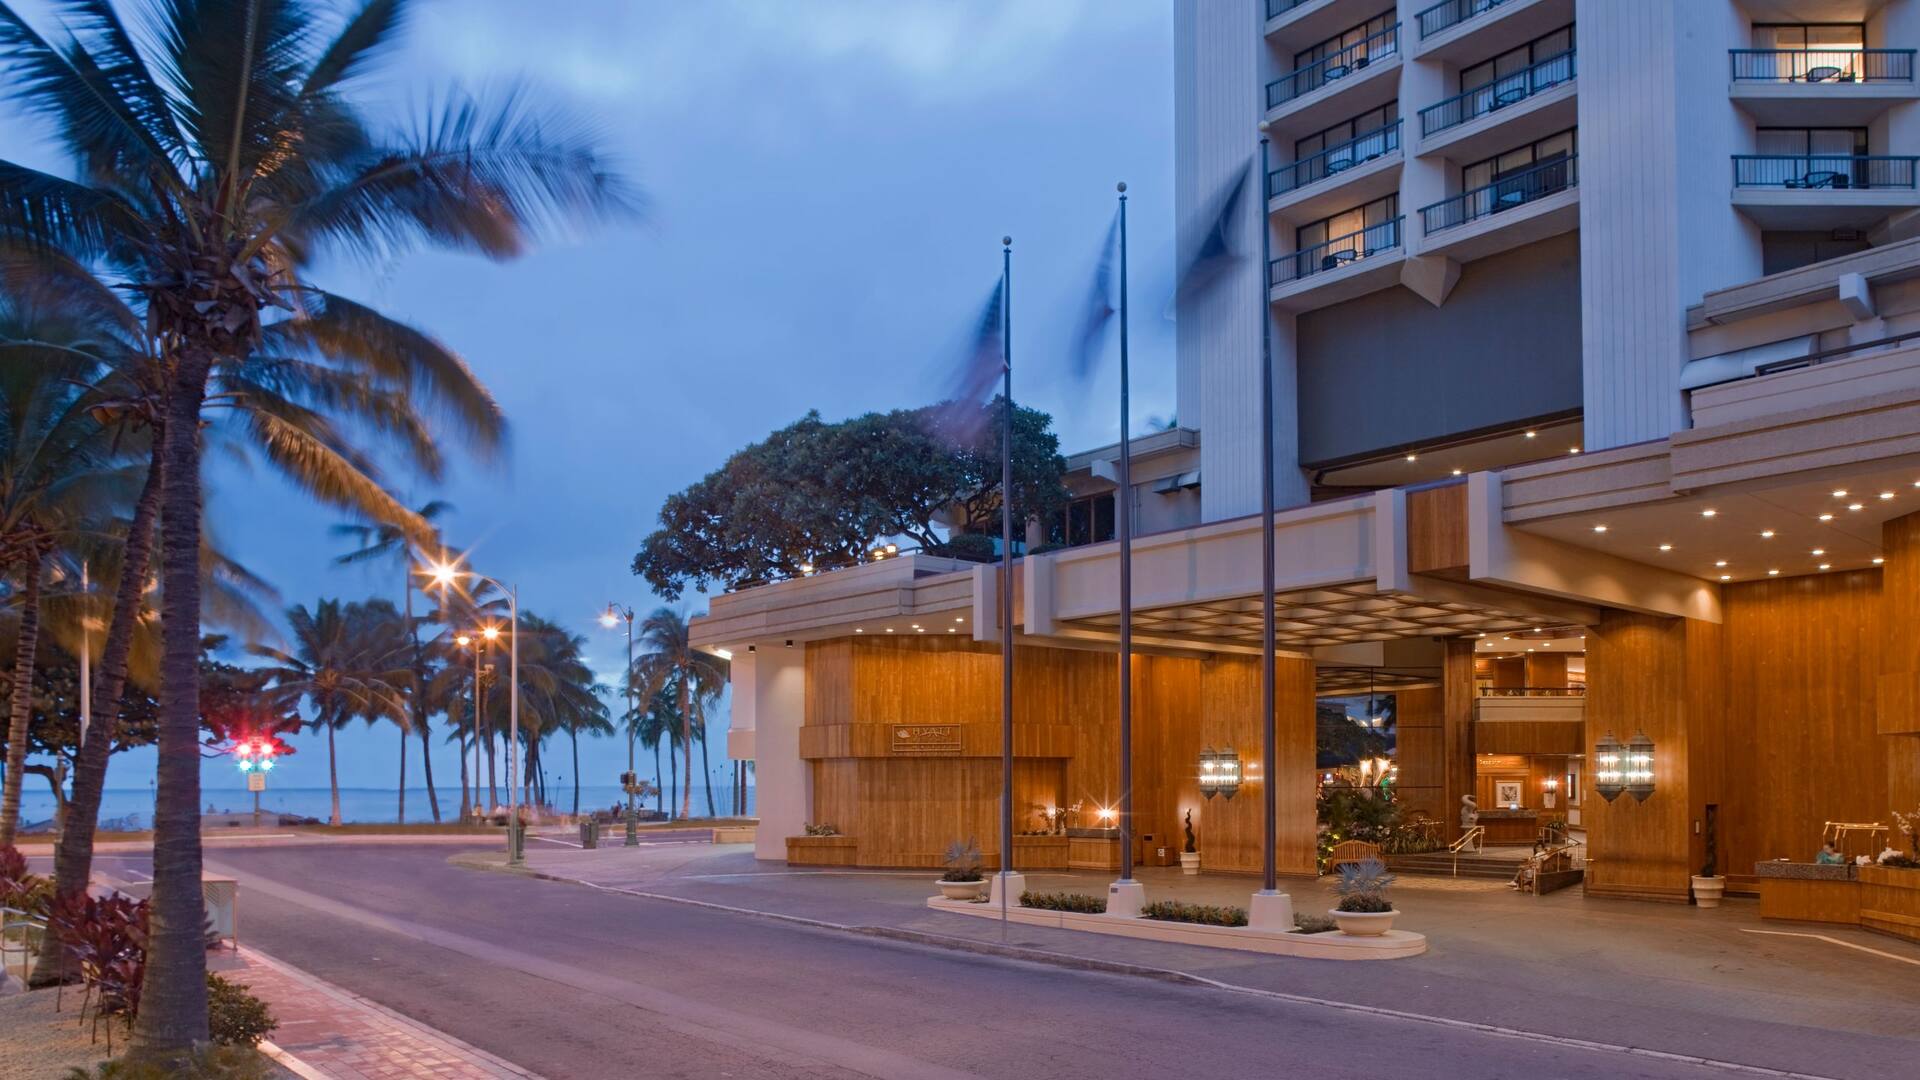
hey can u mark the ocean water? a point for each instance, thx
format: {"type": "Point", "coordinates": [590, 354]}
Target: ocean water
{"type": "Point", "coordinates": [133, 807]}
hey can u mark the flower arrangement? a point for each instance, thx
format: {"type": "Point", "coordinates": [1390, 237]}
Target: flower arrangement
{"type": "Point", "coordinates": [823, 829]}
{"type": "Point", "coordinates": [1910, 827]}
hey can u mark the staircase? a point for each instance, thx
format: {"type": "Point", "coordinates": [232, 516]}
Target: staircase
{"type": "Point", "coordinates": [1440, 864]}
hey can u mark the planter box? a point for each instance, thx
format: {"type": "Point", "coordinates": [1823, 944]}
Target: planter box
{"type": "Point", "coordinates": [821, 850]}
{"type": "Point", "coordinates": [1890, 901]}
{"type": "Point", "coordinates": [1391, 945]}
{"type": "Point", "coordinates": [738, 834]}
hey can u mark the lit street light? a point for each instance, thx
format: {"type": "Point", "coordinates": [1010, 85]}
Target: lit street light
{"type": "Point", "coordinates": [445, 575]}
{"type": "Point", "coordinates": [610, 618]}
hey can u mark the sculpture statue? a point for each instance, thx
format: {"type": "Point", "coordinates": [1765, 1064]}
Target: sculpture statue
{"type": "Point", "coordinates": [1190, 846]}
{"type": "Point", "coordinates": [1469, 811]}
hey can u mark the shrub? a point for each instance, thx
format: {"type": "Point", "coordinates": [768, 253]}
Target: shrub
{"type": "Point", "coordinates": [1204, 914]}
{"type": "Point", "coordinates": [1314, 924]}
{"type": "Point", "coordinates": [973, 547]}
{"type": "Point", "coordinates": [1363, 887]}
{"type": "Point", "coordinates": [13, 865]}
{"type": "Point", "coordinates": [1065, 901]}
{"type": "Point", "coordinates": [821, 830]}
{"type": "Point", "coordinates": [963, 861]}
{"type": "Point", "coordinates": [1900, 861]}
{"type": "Point", "coordinates": [206, 1063]}
{"type": "Point", "coordinates": [234, 1016]}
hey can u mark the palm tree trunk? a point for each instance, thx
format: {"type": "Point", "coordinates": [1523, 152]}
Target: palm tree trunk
{"type": "Point", "coordinates": [22, 708]}
{"type": "Point", "coordinates": [173, 996]}
{"type": "Point", "coordinates": [418, 698]}
{"type": "Point", "coordinates": [402, 811]}
{"type": "Point", "coordinates": [466, 805]}
{"type": "Point", "coordinates": [706, 769]}
{"type": "Point", "coordinates": [659, 789]}
{"type": "Point", "coordinates": [73, 858]}
{"type": "Point", "coordinates": [673, 771]}
{"type": "Point", "coordinates": [686, 743]}
{"type": "Point", "coordinates": [333, 774]}
{"type": "Point", "coordinates": [574, 734]}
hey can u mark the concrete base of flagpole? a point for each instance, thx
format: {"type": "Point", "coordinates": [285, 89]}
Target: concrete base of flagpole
{"type": "Point", "coordinates": [1007, 883]}
{"type": "Point", "coordinates": [1126, 899]}
{"type": "Point", "coordinates": [1272, 911]}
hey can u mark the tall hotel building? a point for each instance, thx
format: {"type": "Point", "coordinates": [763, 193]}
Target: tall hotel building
{"type": "Point", "coordinates": [1596, 336]}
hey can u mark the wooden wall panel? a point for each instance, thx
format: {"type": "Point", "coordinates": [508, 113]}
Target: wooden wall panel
{"type": "Point", "coordinates": [1802, 663]}
{"type": "Point", "coordinates": [1899, 684]}
{"type": "Point", "coordinates": [1637, 680]}
{"type": "Point", "coordinates": [1232, 831]}
{"type": "Point", "coordinates": [1546, 669]}
{"type": "Point", "coordinates": [1529, 737]}
{"type": "Point", "coordinates": [1457, 698]}
{"type": "Point", "coordinates": [1420, 750]}
{"type": "Point", "coordinates": [1437, 529]}
{"type": "Point", "coordinates": [1509, 672]}
{"type": "Point", "coordinates": [1167, 743]}
{"type": "Point", "coordinates": [829, 694]}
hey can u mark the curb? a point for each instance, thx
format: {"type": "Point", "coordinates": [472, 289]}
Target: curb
{"type": "Point", "coordinates": [1169, 975]}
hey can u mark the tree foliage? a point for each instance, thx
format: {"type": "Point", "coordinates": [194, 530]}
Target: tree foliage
{"type": "Point", "coordinates": [822, 494]}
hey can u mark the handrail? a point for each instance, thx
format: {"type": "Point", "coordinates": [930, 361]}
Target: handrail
{"type": "Point", "coordinates": [1834, 66]}
{"type": "Point", "coordinates": [1532, 691]}
{"type": "Point", "coordinates": [1506, 90]}
{"type": "Point", "coordinates": [1474, 835]}
{"type": "Point", "coordinates": [1815, 359]}
{"type": "Point", "coordinates": [1333, 66]}
{"type": "Point", "coordinates": [1335, 159]}
{"type": "Point", "coordinates": [1515, 189]}
{"type": "Point", "coordinates": [1451, 13]}
{"type": "Point", "coordinates": [1839, 172]}
{"type": "Point", "coordinates": [1335, 253]}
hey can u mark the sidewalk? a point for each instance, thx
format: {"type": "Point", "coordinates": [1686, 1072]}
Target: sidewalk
{"type": "Point", "coordinates": [327, 1032]}
{"type": "Point", "coordinates": [1717, 983]}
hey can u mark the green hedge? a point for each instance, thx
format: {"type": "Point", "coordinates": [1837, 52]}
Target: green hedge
{"type": "Point", "coordinates": [1204, 914]}
{"type": "Point", "coordinates": [1065, 901]}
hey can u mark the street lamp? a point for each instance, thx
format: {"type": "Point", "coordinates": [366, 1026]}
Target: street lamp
{"type": "Point", "coordinates": [445, 575]}
{"type": "Point", "coordinates": [610, 618]}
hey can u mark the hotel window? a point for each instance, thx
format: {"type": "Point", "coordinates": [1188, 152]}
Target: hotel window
{"type": "Point", "coordinates": [1349, 39]}
{"type": "Point", "coordinates": [1516, 62]}
{"type": "Point", "coordinates": [1816, 158]}
{"type": "Point", "coordinates": [1514, 167]}
{"type": "Point", "coordinates": [1814, 142]}
{"type": "Point", "coordinates": [1087, 520]}
{"type": "Point", "coordinates": [1347, 130]}
{"type": "Point", "coordinates": [1812, 52]}
{"type": "Point", "coordinates": [1846, 37]}
{"type": "Point", "coordinates": [1351, 230]}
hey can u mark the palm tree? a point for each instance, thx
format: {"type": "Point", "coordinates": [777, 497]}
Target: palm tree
{"type": "Point", "coordinates": [215, 165]}
{"type": "Point", "coordinates": [655, 725]}
{"type": "Point", "coordinates": [387, 541]}
{"type": "Point", "coordinates": [347, 661]}
{"type": "Point", "coordinates": [668, 658]}
{"type": "Point", "coordinates": [557, 693]}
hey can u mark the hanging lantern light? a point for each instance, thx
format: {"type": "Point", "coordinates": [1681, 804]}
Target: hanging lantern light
{"type": "Point", "coordinates": [1219, 772]}
{"type": "Point", "coordinates": [1609, 761]}
{"type": "Point", "coordinates": [1640, 766]}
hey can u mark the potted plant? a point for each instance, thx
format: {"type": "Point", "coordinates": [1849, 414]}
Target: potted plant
{"type": "Point", "coordinates": [1364, 910]}
{"type": "Point", "coordinates": [1190, 855]}
{"type": "Point", "coordinates": [1708, 885]}
{"type": "Point", "coordinates": [963, 880]}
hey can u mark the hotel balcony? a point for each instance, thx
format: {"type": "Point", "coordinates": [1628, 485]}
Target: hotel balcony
{"type": "Point", "coordinates": [1464, 31]}
{"type": "Point", "coordinates": [1354, 172]}
{"type": "Point", "coordinates": [1361, 76]}
{"type": "Point", "coordinates": [1815, 192]}
{"type": "Point", "coordinates": [1340, 269]}
{"type": "Point", "coordinates": [1518, 108]}
{"type": "Point", "coordinates": [1811, 87]}
{"type": "Point", "coordinates": [1513, 211]}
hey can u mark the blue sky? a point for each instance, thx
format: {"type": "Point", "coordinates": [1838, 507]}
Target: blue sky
{"type": "Point", "coordinates": [828, 184]}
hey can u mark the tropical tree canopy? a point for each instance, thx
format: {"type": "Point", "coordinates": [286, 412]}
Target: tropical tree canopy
{"type": "Point", "coordinates": [822, 494]}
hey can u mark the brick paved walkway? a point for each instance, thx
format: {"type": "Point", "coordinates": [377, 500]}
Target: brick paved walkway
{"type": "Point", "coordinates": [334, 1034]}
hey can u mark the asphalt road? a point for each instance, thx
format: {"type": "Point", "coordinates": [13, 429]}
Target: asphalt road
{"type": "Point", "coordinates": [574, 983]}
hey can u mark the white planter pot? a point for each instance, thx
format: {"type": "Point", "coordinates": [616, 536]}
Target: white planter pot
{"type": "Point", "coordinates": [1363, 923]}
{"type": "Point", "coordinates": [963, 890]}
{"type": "Point", "coordinates": [1189, 862]}
{"type": "Point", "coordinates": [1707, 890]}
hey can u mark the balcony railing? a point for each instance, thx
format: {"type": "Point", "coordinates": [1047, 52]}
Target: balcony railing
{"type": "Point", "coordinates": [1334, 159]}
{"type": "Point", "coordinates": [1533, 691]}
{"type": "Point", "coordinates": [1334, 67]}
{"type": "Point", "coordinates": [1498, 94]}
{"type": "Point", "coordinates": [1507, 193]}
{"type": "Point", "coordinates": [1806, 172]}
{"type": "Point", "coordinates": [1277, 8]}
{"type": "Point", "coordinates": [1450, 13]}
{"type": "Point", "coordinates": [1834, 66]}
{"type": "Point", "coordinates": [1335, 253]}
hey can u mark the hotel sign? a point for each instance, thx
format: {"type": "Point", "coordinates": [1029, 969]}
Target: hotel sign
{"type": "Point", "coordinates": [924, 740]}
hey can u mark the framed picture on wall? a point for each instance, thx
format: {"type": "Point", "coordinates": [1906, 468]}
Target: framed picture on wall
{"type": "Point", "coordinates": [1507, 792]}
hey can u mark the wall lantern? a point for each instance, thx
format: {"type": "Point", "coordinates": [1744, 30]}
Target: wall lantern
{"type": "Point", "coordinates": [1640, 766]}
{"type": "Point", "coordinates": [1219, 772]}
{"type": "Point", "coordinates": [1609, 761]}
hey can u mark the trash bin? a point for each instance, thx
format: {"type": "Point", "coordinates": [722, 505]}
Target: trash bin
{"type": "Point", "coordinates": [516, 842]}
{"type": "Point", "coordinates": [589, 834]}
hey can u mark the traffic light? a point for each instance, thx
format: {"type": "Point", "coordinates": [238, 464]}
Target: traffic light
{"type": "Point", "coordinates": [253, 755]}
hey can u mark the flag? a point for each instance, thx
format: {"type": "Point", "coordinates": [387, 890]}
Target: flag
{"type": "Point", "coordinates": [972, 382]}
{"type": "Point", "coordinates": [1214, 252]}
{"type": "Point", "coordinates": [1100, 307]}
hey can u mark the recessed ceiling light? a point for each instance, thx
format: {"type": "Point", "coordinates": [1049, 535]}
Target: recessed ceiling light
{"type": "Point", "coordinates": [889, 629]}
{"type": "Point", "coordinates": [1726, 577]}
{"type": "Point", "coordinates": [1529, 650]}
{"type": "Point", "coordinates": [1573, 449]}
{"type": "Point", "coordinates": [920, 629]}
{"type": "Point", "coordinates": [1722, 562]}
{"type": "Point", "coordinates": [1666, 547]}
{"type": "Point", "coordinates": [1877, 560]}
{"type": "Point", "coordinates": [1840, 493]}
{"type": "Point", "coordinates": [1819, 551]}
{"type": "Point", "coordinates": [1886, 494]}
{"type": "Point", "coordinates": [952, 630]}
{"type": "Point", "coordinates": [1599, 528]}
{"type": "Point", "coordinates": [857, 630]}
{"type": "Point", "coordinates": [1531, 434]}
{"type": "Point", "coordinates": [1826, 517]}
{"type": "Point", "coordinates": [1856, 506]}
{"type": "Point", "coordinates": [1411, 457]}
{"type": "Point", "coordinates": [959, 618]}
{"type": "Point", "coordinates": [1773, 573]}
{"type": "Point", "coordinates": [1456, 472]}
{"type": "Point", "coordinates": [1766, 534]}
{"type": "Point", "coordinates": [1708, 513]}
{"type": "Point", "coordinates": [1824, 566]}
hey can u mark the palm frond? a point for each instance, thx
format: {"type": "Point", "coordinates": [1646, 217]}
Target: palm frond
{"type": "Point", "coordinates": [109, 112]}
{"type": "Point", "coordinates": [39, 210]}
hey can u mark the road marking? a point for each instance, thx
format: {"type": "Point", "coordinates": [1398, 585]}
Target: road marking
{"type": "Point", "coordinates": [1835, 941]}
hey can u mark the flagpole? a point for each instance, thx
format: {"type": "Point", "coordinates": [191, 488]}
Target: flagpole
{"type": "Point", "coordinates": [1123, 516]}
{"type": "Point", "coordinates": [1268, 778]}
{"type": "Point", "coordinates": [1007, 876]}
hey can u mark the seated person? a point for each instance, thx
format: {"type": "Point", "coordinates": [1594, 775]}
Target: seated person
{"type": "Point", "coordinates": [1829, 855]}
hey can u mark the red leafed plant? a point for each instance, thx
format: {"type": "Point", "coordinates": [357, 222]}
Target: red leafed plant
{"type": "Point", "coordinates": [13, 865]}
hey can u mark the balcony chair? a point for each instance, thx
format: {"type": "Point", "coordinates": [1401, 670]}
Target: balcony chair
{"type": "Point", "coordinates": [1823, 73]}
